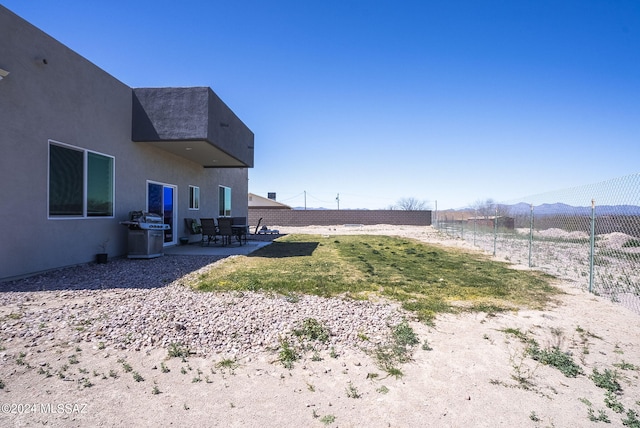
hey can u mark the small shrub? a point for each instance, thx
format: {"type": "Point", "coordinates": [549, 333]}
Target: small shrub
{"type": "Point", "coordinates": [602, 416]}
{"type": "Point", "coordinates": [554, 357]}
{"type": "Point", "coordinates": [312, 329]}
{"type": "Point", "coordinates": [164, 368]}
{"type": "Point", "coordinates": [227, 363]}
{"type": "Point", "coordinates": [626, 366]}
{"type": "Point", "coordinates": [328, 419]}
{"type": "Point", "coordinates": [137, 377]}
{"type": "Point", "coordinates": [612, 402]}
{"type": "Point", "coordinates": [126, 367]}
{"type": "Point", "coordinates": [607, 380]}
{"type": "Point", "coordinates": [352, 391]}
{"type": "Point", "coordinates": [404, 335]}
{"type": "Point", "coordinates": [631, 420]}
{"type": "Point", "coordinates": [287, 354]}
{"type": "Point", "coordinates": [177, 350]}
{"type": "Point", "coordinates": [388, 356]}
{"type": "Point", "coordinates": [517, 333]}
{"type": "Point", "coordinates": [382, 390]}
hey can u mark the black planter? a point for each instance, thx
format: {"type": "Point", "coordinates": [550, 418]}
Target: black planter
{"type": "Point", "coordinates": [102, 258]}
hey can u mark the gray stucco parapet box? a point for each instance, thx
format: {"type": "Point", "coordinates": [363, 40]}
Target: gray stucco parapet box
{"type": "Point", "coordinates": [193, 123]}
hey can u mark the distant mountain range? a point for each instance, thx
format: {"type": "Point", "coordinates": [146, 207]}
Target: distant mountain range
{"type": "Point", "coordinates": [560, 208]}
{"type": "Point", "coordinates": [545, 209]}
{"type": "Point", "coordinates": [323, 208]}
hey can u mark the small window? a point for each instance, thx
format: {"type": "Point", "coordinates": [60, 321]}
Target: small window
{"type": "Point", "coordinates": [81, 182]}
{"type": "Point", "coordinates": [194, 198]}
{"type": "Point", "coordinates": [224, 201]}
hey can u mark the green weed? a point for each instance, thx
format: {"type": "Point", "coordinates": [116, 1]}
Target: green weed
{"type": "Point", "coordinates": [287, 354]}
{"type": "Point", "coordinates": [382, 390]}
{"type": "Point", "coordinates": [554, 357]}
{"type": "Point", "coordinates": [177, 350]}
{"type": "Point", "coordinates": [631, 420]}
{"type": "Point", "coordinates": [227, 363]}
{"type": "Point", "coordinates": [602, 416]}
{"type": "Point", "coordinates": [397, 351]}
{"type": "Point", "coordinates": [626, 366]}
{"type": "Point", "coordinates": [608, 380]}
{"type": "Point", "coordinates": [352, 391]}
{"type": "Point", "coordinates": [328, 419]}
{"type": "Point", "coordinates": [612, 402]}
{"type": "Point", "coordinates": [312, 329]}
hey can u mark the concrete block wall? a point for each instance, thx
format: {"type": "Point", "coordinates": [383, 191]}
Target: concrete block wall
{"type": "Point", "coordinates": [277, 217]}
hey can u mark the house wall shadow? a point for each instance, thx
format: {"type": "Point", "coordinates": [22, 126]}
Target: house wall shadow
{"type": "Point", "coordinates": [286, 249]}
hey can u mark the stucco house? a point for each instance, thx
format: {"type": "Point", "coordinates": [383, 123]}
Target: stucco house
{"type": "Point", "coordinates": [79, 150]}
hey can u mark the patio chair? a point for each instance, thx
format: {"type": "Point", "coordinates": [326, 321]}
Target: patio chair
{"type": "Point", "coordinates": [209, 229]}
{"type": "Point", "coordinates": [240, 228]}
{"type": "Point", "coordinates": [225, 230]}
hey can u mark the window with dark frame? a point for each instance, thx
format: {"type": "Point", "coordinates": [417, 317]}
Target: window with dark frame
{"type": "Point", "coordinates": [224, 201]}
{"type": "Point", "coordinates": [81, 182]}
{"type": "Point", "coordinates": [194, 198]}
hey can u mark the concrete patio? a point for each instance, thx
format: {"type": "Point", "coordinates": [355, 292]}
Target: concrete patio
{"type": "Point", "coordinates": [196, 249]}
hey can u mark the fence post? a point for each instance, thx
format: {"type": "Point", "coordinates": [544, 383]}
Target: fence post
{"type": "Point", "coordinates": [593, 242]}
{"type": "Point", "coordinates": [530, 234]}
{"type": "Point", "coordinates": [495, 231]}
{"type": "Point", "coordinates": [475, 221]}
{"type": "Point", "coordinates": [436, 221]}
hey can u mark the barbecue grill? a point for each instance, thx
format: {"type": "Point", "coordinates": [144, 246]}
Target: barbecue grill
{"type": "Point", "coordinates": [146, 235]}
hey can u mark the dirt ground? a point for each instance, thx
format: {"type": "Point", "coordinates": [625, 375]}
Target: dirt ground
{"type": "Point", "coordinates": [471, 374]}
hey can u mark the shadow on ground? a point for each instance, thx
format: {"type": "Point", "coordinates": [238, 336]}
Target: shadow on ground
{"type": "Point", "coordinates": [286, 249]}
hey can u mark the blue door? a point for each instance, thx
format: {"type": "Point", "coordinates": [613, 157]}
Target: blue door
{"type": "Point", "coordinates": [161, 201]}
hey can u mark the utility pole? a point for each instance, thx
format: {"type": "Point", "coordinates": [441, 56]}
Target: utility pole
{"type": "Point", "coordinates": [338, 201]}
{"type": "Point", "coordinates": [305, 200]}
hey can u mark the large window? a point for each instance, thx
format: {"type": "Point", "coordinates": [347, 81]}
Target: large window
{"type": "Point", "coordinates": [81, 182]}
{"type": "Point", "coordinates": [224, 201]}
{"type": "Point", "coordinates": [194, 198]}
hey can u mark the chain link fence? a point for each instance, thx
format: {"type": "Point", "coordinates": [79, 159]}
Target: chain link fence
{"type": "Point", "coordinates": [589, 235]}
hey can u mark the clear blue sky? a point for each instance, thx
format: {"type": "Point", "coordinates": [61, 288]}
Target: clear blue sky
{"type": "Point", "coordinates": [453, 101]}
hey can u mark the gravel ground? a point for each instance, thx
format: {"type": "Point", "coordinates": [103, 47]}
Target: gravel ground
{"type": "Point", "coordinates": [95, 338]}
{"type": "Point", "coordinates": [144, 304]}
